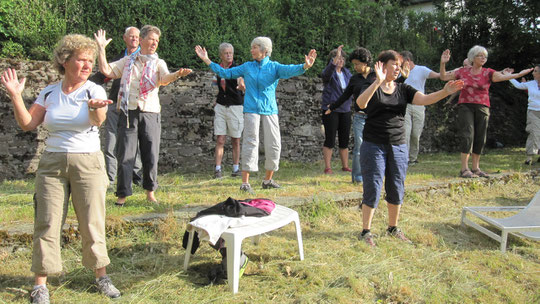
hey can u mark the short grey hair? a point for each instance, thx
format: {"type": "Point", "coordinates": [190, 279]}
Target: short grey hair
{"type": "Point", "coordinates": [147, 29]}
{"type": "Point", "coordinates": [475, 50]}
{"type": "Point", "coordinates": [129, 28]}
{"type": "Point", "coordinates": [264, 43]}
{"type": "Point", "coordinates": [224, 46]}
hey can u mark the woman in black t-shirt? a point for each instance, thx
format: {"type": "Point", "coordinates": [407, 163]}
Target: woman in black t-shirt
{"type": "Point", "coordinates": [384, 153]}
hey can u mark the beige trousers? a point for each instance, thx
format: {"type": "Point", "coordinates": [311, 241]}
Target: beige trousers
{"type": "Point", "coordinates": [533, 128]}
{"type": "Point", "coordinates": [414, 124]}
{"type": "Point", "coordinates": [59, 175]}
{"type": "Point", "coordinates": [250, 142]}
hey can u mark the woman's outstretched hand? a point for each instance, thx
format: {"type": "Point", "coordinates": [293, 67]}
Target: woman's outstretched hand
{"type": "Point", "coordinates": [101, 38]}
{"type": "Point", "coordinates": [310, 59]}
{"type": "Point", "coordinates": [338, 58]}
{"type": "Point", "coordinates": [203, 54]}
{"type": "Point", "coordinates": [12, 83]}
{"type": "Point", "coordinates": [380, 71]}
{"type": "Point", "coordinates": [183, 72]}
{"type": "Point", "coordinates": [525, 72]}
{"type": "Point", "coordinates": [99, 103]}
{"type": "Point", "coordinates": [445, 56]}
{"type": "Point", "coordinates": [453, 86]}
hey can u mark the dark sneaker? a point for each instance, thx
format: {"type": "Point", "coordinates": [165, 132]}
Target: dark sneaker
{"type": "Point", "coordinates": [270, 184]}
{"type": "Point", "coordinates": [218, 174]}
{"type": "Point", "coordinates": [106, 287]}
{"type": "Point", "coordinates": [368, 238]}
{"type": "Point", "coordinates": [236, 173]}
{"type": "Point", "coordinates": [40, 295]}
{"type": "Point", "coordinates": [398, 234]}
{"type": "Point", "coordinates": [247, 188]}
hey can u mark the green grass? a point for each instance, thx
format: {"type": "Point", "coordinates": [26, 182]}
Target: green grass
{"type": "Point", "coordinates": [176, 190]}
{"type": "Point", "coordinates": [446, 264]}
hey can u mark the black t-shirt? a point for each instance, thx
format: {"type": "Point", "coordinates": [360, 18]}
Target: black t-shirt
{"type": "Point", "coordinates": [386, 115]}
{"type": "Point", "coordinates": [355, 87]}
{"type": "Point", "coordinates": [231, 96]}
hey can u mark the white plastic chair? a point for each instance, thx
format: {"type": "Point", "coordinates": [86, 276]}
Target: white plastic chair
{"type": "Point", "coordinates": [526, 223]}
{"type": "Point", "coordinates": [233, 237]}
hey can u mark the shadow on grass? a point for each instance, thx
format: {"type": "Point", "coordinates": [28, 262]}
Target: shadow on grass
{"type": "Point", "coordinates": [462, 238]}
{"type": "Point", "coordinates": [17, 286]}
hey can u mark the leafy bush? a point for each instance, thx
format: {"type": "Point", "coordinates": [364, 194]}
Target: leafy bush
{"type": "Point", "coordinates": [35, 24]}
{"type": "Point", "coordinates": [12, 49]}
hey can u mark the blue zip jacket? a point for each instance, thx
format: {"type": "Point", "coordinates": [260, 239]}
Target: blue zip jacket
{"type": "Point", "coordinates": [261, 79]}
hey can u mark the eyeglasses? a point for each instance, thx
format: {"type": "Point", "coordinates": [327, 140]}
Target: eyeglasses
{"type": "Point", "coordinates": [481, 56]}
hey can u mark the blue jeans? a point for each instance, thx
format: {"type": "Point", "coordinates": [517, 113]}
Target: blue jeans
{"type": "Point", "coordinates": [358, 122]}
{"type": "Point", "coordinates": [383, 161]}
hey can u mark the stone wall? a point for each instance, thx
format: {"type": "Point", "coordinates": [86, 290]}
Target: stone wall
{"type": "Point", "coordinates": [187, 141]}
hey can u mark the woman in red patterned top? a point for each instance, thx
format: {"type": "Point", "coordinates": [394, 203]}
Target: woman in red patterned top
{"type": "Point", "coordinates": [473, 105]}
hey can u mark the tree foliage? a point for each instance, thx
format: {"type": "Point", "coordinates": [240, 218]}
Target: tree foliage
{"type": "Point", "coordinates": [509, 29]}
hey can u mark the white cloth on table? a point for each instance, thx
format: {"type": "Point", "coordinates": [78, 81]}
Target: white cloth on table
{"type": "Point", "coordinates": [210, 227]}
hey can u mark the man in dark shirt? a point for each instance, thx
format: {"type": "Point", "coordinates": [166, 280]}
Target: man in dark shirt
{"type": "Point", "coordinates": [131, 38]}
{"type": "Point", "coordinates": [229, 116]}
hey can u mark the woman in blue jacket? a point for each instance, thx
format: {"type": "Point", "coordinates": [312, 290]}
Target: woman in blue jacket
{"type": "Point", "coordinates": [261, 78]}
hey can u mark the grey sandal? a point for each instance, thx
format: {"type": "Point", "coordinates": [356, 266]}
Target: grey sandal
{"type": "Point", "coordinates": [467, 174]}
{"type": "Point", "coordinates": [480, 173]}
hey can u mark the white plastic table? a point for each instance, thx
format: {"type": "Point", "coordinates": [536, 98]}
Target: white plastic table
{"type": "Point", "coordinates": [233, 237]}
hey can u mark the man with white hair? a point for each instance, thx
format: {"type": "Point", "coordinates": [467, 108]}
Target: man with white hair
{"type": "Point", "coordinates": [228, 109]}
{"type": "Point", "coordinates": [131, 39]}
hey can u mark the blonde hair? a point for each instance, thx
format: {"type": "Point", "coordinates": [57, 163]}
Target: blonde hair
{"type": "Point", "coordinates": [475, 50]}
{"type": "Point", "coordinates": [264, 43]}
{"type": "Point", "coordinates": [68, 45]}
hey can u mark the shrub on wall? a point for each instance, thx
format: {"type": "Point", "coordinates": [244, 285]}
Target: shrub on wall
{"type": "Point", "coordinates": [36, 25]}
{"type": "Point", "coordinates": [12, 49]}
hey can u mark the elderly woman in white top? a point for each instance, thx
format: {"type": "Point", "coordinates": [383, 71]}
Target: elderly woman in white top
{"type": "Point", "coordinates": [140, 121]}
{"type": "Point", "coordinates": [533, 113]}
{"type": "Point", "coordinates": [71, 165]}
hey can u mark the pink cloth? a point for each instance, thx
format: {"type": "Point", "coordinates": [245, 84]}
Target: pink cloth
{"type": "Point", "coordinates": [476, 88]}
{"type": "Point", "coordinates": [261, 203]}
{"type": "Point", "coordinates": [148, 78]}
